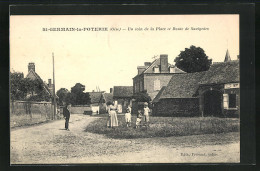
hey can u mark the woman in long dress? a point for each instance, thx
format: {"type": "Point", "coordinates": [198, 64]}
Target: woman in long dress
{"type": "Point", "coordinates": [112, 121]}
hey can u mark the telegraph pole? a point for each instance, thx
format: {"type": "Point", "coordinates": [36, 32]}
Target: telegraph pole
{"type": "Point", "coordinates": [54, 96]}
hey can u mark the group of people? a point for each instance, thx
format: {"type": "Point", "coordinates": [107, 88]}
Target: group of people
{"type": "Point", "coordinates": [113, 121]}
{"type": "Point", "coordinates": [112, 116]}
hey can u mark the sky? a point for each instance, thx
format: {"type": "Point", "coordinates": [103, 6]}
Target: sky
{"type": "Point", "coordinates": [110, 58]}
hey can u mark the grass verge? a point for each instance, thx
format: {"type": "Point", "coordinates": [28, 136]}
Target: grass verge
{"type": "Point", "coordinates": [166, 127]}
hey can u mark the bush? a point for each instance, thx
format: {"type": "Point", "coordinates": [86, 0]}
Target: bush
{"type": "Point", "coordinates": [165, 127]}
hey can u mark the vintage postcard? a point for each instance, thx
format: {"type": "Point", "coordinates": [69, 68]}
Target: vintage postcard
{"type": "Point", "coordinates": [96, 89]}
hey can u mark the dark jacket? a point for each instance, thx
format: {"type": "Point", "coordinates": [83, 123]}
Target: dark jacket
{"type": "Point", "coordinates": [66, 112]}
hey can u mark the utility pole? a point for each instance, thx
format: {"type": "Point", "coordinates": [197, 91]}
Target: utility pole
{"type": "Point", "coordinates": [54, 96]}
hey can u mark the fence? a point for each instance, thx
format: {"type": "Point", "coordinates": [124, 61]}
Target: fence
{"type": "Point", "coordinates": [28, 113]}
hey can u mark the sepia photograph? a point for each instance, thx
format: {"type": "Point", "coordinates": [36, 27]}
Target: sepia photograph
{"type": "Point", "coordinates": [101, 89]}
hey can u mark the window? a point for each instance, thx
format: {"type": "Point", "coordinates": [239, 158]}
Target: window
{"type": "Point", "coordinates": [156, 69]}
{"type": "Point", "coordinates": [229, 101]}
{"type": "Point", "coordinates": [157, 85]}
{"type": "Point", "coordinates": [232, 101]}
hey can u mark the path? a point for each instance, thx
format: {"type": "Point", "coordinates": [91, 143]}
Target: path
{"type": "Point", "coordinates": [49, 143]}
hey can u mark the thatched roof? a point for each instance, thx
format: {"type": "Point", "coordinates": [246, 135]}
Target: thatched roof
{"type": "Point", "coordinates": [183, 85]}
{"type": "Point", "coordinates": [123, 91]}
{"type": "Point", "coordinates": [220, 73]}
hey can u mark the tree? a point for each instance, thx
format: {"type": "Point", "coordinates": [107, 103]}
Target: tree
{"type": "Point", "coordinates": [193, 59]}
{"type": "Point", "coordinates": [77, 95]}
{"type": "Point", "coordinates": [22, 87]}
{"type": "Point", "coordinates": [62, 93]}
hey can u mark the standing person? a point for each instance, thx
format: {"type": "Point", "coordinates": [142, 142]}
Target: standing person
{"type": "Point", "coordinates": [66, 114]}
{"type": "Point", "coordinates": [128, 116]}
{"type": "Point", "coordinates": [146, 114]}
{"type": "Point", "coordinates": [138, 119]}
{"type": "Point", "coordinates": [112, 122]}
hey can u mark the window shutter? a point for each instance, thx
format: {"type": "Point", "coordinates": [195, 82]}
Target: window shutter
{"type": "Point", "coordinates": [225, 101]}
{"type": "Point", "coordinates": [157, 85]}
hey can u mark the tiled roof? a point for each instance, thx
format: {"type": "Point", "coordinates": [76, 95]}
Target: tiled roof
{"type": "Point", "coordinates": [183, 85]}
{"type": "Point", "coordinates": [157, 97]}
{"type": "Point", "coordinates": [108, 97]}
{"type": "Point", "coordinates": [224, 72]}
{"type": "Point", "coordinates": [95, 97]}
{"type": "Point", "coordinates": [123, 91]}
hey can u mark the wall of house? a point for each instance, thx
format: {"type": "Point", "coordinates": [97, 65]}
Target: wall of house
{"type": "Point", "coordinates": [149, 83]}
{"type": "Point", "coordinates": [220, 88]}
{"type": "Point", "coordinates": [233, 112]}
{"type": "Point", "coordinates": [177, 107]}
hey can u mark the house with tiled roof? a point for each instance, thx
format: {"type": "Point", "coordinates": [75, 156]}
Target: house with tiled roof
{"type": "Point", "coordinates": [210, 93]}
{"type": "Point", "coordinates": [179, 97]}
{"type": "Point", "coordinates": [34, 76]}
{"type": "Point", "coordinates": [122, 96]}
{"type": "Point", "coordinates": [153, 76]}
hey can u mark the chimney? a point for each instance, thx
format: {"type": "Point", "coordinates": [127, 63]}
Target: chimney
{"type": "Point", "coordinates": [49, 83]}
{"type": "Point", "coordinates": [141, 69]}
{"type": "Point", "coordinates": [164, 63]}
{"type": "Point", "coordinates": [147, 64]}
{"type": "Point", "coordinates": [31, 66]}
{"type": "Point", "coordinates": [111, 90]}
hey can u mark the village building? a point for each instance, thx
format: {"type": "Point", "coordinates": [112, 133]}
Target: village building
{"type": "Point", "coordinates": [153, 76]}
{"type": "Point", "coordinates": [122, 96]}
{"type": "Point", "coordinates": [34, 76]}
{"type": "Point", "coordinates": [210, 93]}
{"type": "Point", "coordinates": [219, 90]}
{"type": "Point", "coordinates": [95, 101]}
{"type": "Point", "coordinates": [179, 97]}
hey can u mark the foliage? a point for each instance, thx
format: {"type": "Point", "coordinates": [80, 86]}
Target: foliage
{"type": "Point", "coordinates": [142, 97]}
{"type": "Point", "coordinates": [193, 59]}
{"type": "Point", "coordinates": [21, 88]}
{"type": "Point", "coordinates": [166, 127]}
{"type": "Point", "coordinates": [62, 93]}
{"type": "Point", "coordinates": [77, 95]}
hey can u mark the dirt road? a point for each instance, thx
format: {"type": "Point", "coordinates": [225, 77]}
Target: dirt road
{"type": "Point", "coordinates": [49, 143]}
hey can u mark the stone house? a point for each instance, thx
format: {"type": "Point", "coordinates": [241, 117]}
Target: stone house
{"type": "Point", "coordinates": [153, 76]}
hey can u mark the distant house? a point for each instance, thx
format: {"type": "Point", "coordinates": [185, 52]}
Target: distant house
{"type": "Point", "coordinates": [210, 93]}
{"type": "Point", "coordinates": [122, 96]}
{"type": "Point", "coordinates": [34, 76]}
{"type": "Point", "coordinates": [95, 101]}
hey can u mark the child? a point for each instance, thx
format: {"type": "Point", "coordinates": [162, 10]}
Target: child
{"type": "Point", "coordinates": [146, 114]}
{"type": "Point", "coordinates": [128, 116]}
{"type": "Point", "coordinates": [138, 119]}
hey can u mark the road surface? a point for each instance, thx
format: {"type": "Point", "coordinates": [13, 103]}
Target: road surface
{"type": "Point", "coordinates": [49, 143]}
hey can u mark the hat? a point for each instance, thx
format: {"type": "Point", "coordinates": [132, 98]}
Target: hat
{"type": "Point", "coordinates": [146, 104]}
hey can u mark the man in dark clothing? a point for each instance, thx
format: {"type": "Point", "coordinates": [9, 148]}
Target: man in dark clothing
{"type": "Point", "coordinates": [66, 114]}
